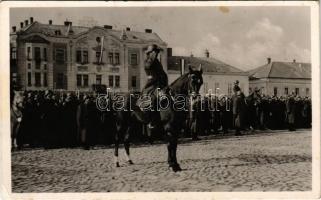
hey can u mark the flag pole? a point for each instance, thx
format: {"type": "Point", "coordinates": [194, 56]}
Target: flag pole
{"type": "Point", "coordinates": [101, 49]}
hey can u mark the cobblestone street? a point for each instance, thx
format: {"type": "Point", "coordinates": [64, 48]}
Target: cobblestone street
{"type": "Point", "coordinates": [269, 161]}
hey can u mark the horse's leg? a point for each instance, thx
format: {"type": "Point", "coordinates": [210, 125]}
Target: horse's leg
{"type": "Point", "coordinates": [116, 160]}
{"type": "Point", "coordinates": [127, 144]}
{"type": "Point", "coordinates": [172, 148]}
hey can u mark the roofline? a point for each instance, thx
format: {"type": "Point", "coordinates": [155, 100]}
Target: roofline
{"type": "Point", "coordinates": [256, 78]}
{"type": "Point", "coordinates": [205, 59]}
{"type": "Point", "coordinates": [170, 71]}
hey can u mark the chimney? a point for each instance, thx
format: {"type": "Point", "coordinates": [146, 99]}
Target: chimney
{"type": "Point", "coordinates": [207, 53]}
{"type": "Point", "coordinates": [31, 20]}
{"type": "Point", "coordinates": [26, 22]}
{"type": "Point", "coordinates": [268, 60]}
{"type": "Point", "coordinates": [127, 29]}
{"type": "Point", "coordinates": [21, 24]}
{"type": "Point", "coordinates": [294, 61]}
{"type": "Point", "coordinates": [169, 52]}
{"type": "Point", "coordinates": [108, 27]}
{"type": "Point", "coordinates": [50, 22]}
{"type": "Point", "coordinates": [14, 29]}
{"type": "Point", "coordinates": [148, 30]}
{"type": "Point", "coordinates": [67, 23]}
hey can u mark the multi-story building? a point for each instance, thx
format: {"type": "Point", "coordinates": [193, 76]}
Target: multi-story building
{"type": "Point", "coordinates": [68, 57]}
{"type": "Point", "coordinates": [218, 77]}
{"type": "Point", "coordinates": [282, 78]}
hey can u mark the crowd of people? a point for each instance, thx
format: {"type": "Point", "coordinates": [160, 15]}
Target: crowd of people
{"type": "Point", "coordinates": [53, 119]}
{"type": "Point", "coordinates": [250, 113]}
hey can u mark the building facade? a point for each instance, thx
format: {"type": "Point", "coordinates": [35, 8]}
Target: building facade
{"type": "Point", "coordinates": [282, 78]}
{"type": "Point", "coordinates": [67, 57]}
{"type": "Point", "coordinates": [218, 77]}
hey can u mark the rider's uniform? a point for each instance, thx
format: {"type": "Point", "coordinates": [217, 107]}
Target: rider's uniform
{"type": "Point", "coordinates": [156, 76]}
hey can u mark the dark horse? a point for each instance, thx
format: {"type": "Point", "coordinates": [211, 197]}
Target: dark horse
{"type": "Point", "coordinates": [171, 118]}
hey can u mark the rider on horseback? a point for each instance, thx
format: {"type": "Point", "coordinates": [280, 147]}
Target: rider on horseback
{"type": "Point", "coordinates": [156, 78]}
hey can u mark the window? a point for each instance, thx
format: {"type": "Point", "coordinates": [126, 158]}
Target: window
{"type": "Point", "coordinates": [45, 54]}
{"type": "Point", "coordinates": [110, 58]}
{"type": "Point", "coordinates": [98, 79]}
{"type": "Point", "coordinates": [78, 56]}
{"type": "Point", "coordinates": [97, 56]}
{"type": "Point", "coordinates": [286, 91]}
{"type": "Point", "coordinates": [13, 53]}
{"type": "Point", "coordinates": [60, 80]}
{"type": "Point", "coordinates": [117, 59]}
{"type": "Point", "coordinates": [37, 57]}
{"type": "Point", "coordinates": [134, 81]}
{"type": "Point", "coordinates": [78, 80]}
{"type": "Point", "coordinates": [37, 53]}
{"type": "Point", "coordinates": [85, 56]}
{"type": "Point", "coordinates": [45, 66]}
{"type": "Point", "coordinates": [111, 81]}
{"type": "Point", "coordinates": [28, 53]}
{"type": "Point", "coordinates": [37, 79]}
{"type": "Point", "coordinates": [229, 89]}
{"type": "Point", "coordinates": [45, 82]}
{"type": "Point", "coordinates": [60, 56]}
{"type": "Point", "coordinates": [216, 88]}
{"type": "Point", "coordinates": [133, 59]}
{"type": "Point", "coordinates": [29, 65]}
{"type": "Point", "coordinates": [85, 77]}
{"type": "Point", "coordinates": [297, 91]}
{"type": "Point", "coordinates": [307, 91]}
{"type": "Point", "coordinates": [117, 81]}
{"type": "Point", "coordinates": [29, 78]}
{"type": "Point", "coordinates": [82, 56]}
{"type": "Point", "coordinates": [275, 91]}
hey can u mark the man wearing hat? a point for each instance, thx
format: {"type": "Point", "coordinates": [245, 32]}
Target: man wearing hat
{"type": "Point", "coordinates": [238, 109]}
{"type": "Point", "coordinates": [156, 78]}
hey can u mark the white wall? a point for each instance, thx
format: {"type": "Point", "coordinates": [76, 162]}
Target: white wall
{"type": "Point", "coordinates": [222, 81]}
{"type": "Point", "coordinates": [281, 84]}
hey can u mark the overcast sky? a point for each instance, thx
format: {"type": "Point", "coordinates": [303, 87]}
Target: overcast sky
{"type": "Point", "coordinates": [240, 36]}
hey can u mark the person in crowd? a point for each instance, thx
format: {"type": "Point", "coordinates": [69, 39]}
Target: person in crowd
{"type": "Point", "coordinates": [238, 109]}
{"type": "Point", "coordinates": [290, 110]}
{"type": "Point", "coordinates": [224, 113]}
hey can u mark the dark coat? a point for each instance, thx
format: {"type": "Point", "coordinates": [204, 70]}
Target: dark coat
{"type": "Point", "coordinates": [239, 110]}
{"type": "Point", "coordinates": [290, 110]}
{"type": "Point", "coordinates": [158, 78]}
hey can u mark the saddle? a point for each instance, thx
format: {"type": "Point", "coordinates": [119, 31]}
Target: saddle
{"type": "Point", "coordinates": [146, 109]}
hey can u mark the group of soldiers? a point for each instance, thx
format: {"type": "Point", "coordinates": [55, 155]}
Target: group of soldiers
{"type": "Point", "coordinates": [53, 119]}
{"type": "Point", "coordinates": [250, 113]}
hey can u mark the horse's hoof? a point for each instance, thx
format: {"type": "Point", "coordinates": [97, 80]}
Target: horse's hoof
{"type": "Point", "coordinates": [117, 164]}
{"type": "Point", "coordinates": [175, 168]}
{"type": "Point", "coordinates": [130, 162]}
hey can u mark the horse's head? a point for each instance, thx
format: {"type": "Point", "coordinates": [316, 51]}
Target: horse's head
{"type": "Point", "coordinates": [195, 80]}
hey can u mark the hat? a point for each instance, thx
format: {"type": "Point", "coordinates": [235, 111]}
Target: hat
{"type": "Point", "coordinates": [151, 48]}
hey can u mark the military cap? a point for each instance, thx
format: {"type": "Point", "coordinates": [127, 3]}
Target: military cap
{"type": "Point", "coordinates": [151, 48]}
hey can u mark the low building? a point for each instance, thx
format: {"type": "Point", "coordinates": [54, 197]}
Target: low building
{"type": "Point", "coordinates": [68, 57]}
{"type": "Point", "coordinates": [282, 78]}
{"type": "Point", "coordinates": [217, 75]}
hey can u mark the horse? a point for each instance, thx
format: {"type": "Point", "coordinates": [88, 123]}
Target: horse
{"type": "Point", "coordinates": [16, 117]}
{"type": "Point", "coordinates": [170, 119]}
